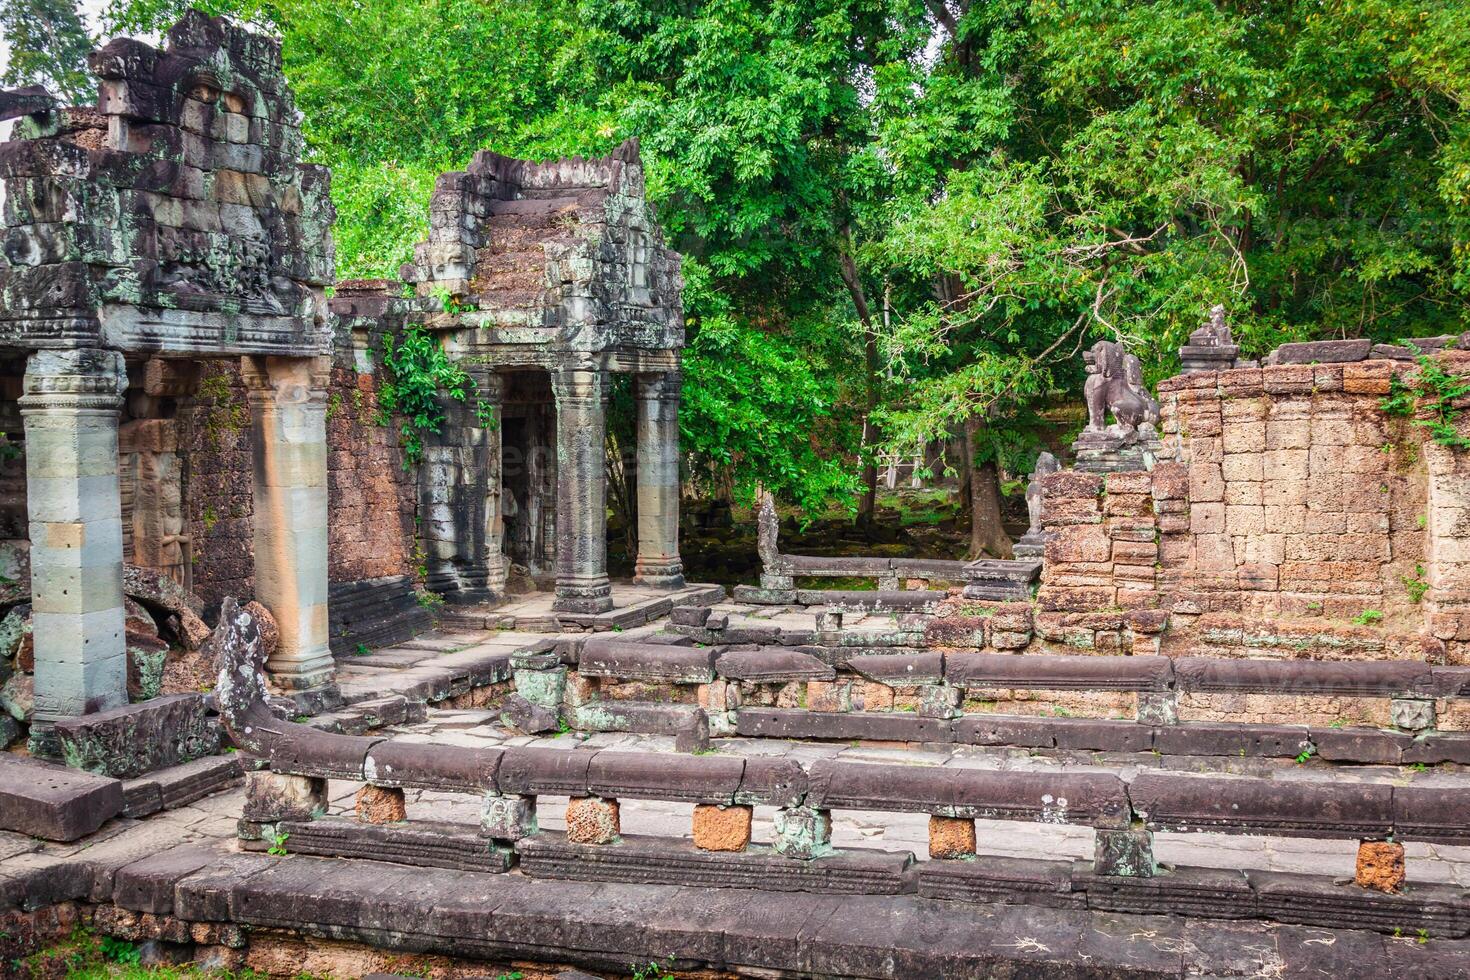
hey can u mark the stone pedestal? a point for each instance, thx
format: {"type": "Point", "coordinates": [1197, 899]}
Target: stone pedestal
{"type": "Point", "coordinates": [582, 585]}
{"type": "Point", "coordinates": [1117, 450]}
{"type": "Point", "coordinates": [288, 402]}
{"type": "Point", "coordinates": [658, 482]}
{"type": "Point", "coordinates": [70, 407]}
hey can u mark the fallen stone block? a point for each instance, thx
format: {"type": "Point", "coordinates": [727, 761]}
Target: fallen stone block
{"type": "Point", "coordinates": [139, 738]}
{"type": "Point", "coordinates": [53, 802]}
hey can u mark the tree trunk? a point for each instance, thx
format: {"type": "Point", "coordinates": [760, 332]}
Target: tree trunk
{"type": "Point", "coordinates": [867, 508]}
{"type": "Point", "coordinates": [987, 535]}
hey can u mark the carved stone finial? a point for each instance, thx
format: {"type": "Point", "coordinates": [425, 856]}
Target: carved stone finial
{"type": "Point", "coordinates": [1211, 347]}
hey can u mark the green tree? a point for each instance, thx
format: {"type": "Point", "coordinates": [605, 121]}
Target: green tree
{"type": "Point", "coordinates": [1129, 164]}
{"type": "Point", "coordinates": [49, 45]}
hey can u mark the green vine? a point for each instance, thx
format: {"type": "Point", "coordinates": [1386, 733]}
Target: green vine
{"type": "Point", "coordinates": [420, 372]}
{"type": "Point", "coordinates": [1437, 390]}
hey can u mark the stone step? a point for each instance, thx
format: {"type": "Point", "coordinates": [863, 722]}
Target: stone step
{"type": "Point", "coordinates": [668, 861]}
{"type": "Point", "coordinates": [421, 844]}
{"type": "Point", "coordinates": [605, 926]}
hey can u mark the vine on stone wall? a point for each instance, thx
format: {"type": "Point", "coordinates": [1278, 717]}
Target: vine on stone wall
{"type": "Point", "coordinates": [420, 371]}
{"type": "Point", "coordinates": [1436, 390]}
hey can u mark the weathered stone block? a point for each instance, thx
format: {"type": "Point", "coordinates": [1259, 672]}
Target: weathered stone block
{"type": "Point", "coordinates": [1380, 866]}
{"type": "Point", "coordinates": [140, 738]}
{"type": "Point", "coordinates": [1125, 853]}
{"type": "Point", "coordinates": [592, 820]}
{"type": "Point", "coordinates": [722, 828]}
{"type": "Point", "coordinates": [507, 817]}
{"type": "Point", "coordinates": [951, 837]}
{"type": "Point", "coordinates": [803, 832]}
{"type": "Point", "coordinates": [1412, 714]}
{"type": "Point", "coordinates": [379, 805]}
{"type": "Point", "coordinates": [271, 797]}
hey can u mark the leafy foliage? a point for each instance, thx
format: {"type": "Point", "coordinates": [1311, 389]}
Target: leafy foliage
{"type": "Point", "coordinates": [422, 376]}
{"type": "Point", "coordinates": [49, 45]}
{"type": "Point", "coordinates": [917, 212]}
{"type": "Point", "coordinates": [1435, 393]}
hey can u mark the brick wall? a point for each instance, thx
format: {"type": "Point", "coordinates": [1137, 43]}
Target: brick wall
{"type": "Point", "coordinates": [1292, 516]}
{"type": "Point", "coordinates": [371, 496]}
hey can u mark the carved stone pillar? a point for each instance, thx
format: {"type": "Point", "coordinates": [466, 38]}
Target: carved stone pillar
{"type": "Point", "coordinates": [288, 413]}
{"type": "Point", "coordinates": [70, 406]}
{"type": "Point", "coordinates": [658, 481]}
{"type": "Point", "coordinates": [581, 492]}
{"type": "Point", "coordinates": [491, 388]}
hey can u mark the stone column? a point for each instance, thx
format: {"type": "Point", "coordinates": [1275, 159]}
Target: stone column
{"type": "Point", "coordinates": [288, 414]}
{"type": "Point", "coordinates": [491, 388]}
{"type": "Point", "coordinates": [70, 406]}
{"type": "Point", "coordinates": [658, 481]}
{"type": "Point", "coordinates": [581, 492]}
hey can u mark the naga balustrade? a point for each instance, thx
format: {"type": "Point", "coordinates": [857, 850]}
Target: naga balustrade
{"type": "Point", "coordinates": [942, 680]}
{"type": "Point", "coordinates": [286, 803]}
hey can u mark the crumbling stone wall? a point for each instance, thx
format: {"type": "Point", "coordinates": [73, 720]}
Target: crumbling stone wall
{"type": "Point", "coordinates": [1293, 517]}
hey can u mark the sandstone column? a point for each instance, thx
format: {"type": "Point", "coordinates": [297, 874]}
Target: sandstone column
{"type": "Point", "coordinates": [288, 413]}
{"type": "Point", "coordinates": [581, 492]}
{"type": "Point", "coordinates": [70, 406]}
{"type": "Point", "coordinates": [491, 394]}
{"type": "Point", "coordinates": [658, 481]}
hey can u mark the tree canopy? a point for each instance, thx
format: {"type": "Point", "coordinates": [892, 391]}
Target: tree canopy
{"type": "Point", "coordinates": [902, 219]}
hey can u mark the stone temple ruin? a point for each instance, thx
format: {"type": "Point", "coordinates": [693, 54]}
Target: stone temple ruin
{"type": "Point", "coordinates": [1240, 614]}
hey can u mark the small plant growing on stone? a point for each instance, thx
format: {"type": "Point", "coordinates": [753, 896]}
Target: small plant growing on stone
{"type": "Point", "coordinates": [1368, 617]}
{"type": "Point", "coordinates": [1415, 584]}
{"type": "Point", "coordinates": [1306, 754]}
{"type": "Point", "coordinates": [652, 971]}
{"type": "Point", "coordinates": [278, 844]}
{"type": "Point", "coordinates": [1422, 521]}
{"type": "Point", "coordinates": [1436, 390]}
{"type": "Point", "coordinates": [362, 650]}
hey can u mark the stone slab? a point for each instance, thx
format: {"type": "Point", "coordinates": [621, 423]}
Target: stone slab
{"type": "Point", "coordinates": [1004, 881]}
{"type": "Point", "coordinates": [647, 661]}
{"type": "Point", "coordinates": [420, 844]}
{"type": "Point", "coordinates": [772, 665]}
{"type": "Point", "coordinates": [658, 860]}
{"type": "Point", "coordinates": [53, 802]}
{"type": "Point", "coordinates": [607, 926]}
{"type": "Point", "coordinates": [898, 726]}
{"type": "Point", "coordinates": [176, 786]}
{"type": "Point", "coordinates": [1058, 673]}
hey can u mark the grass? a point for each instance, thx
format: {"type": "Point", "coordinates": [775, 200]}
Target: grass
{"type": "Point", "coordinates": [86, 956]}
